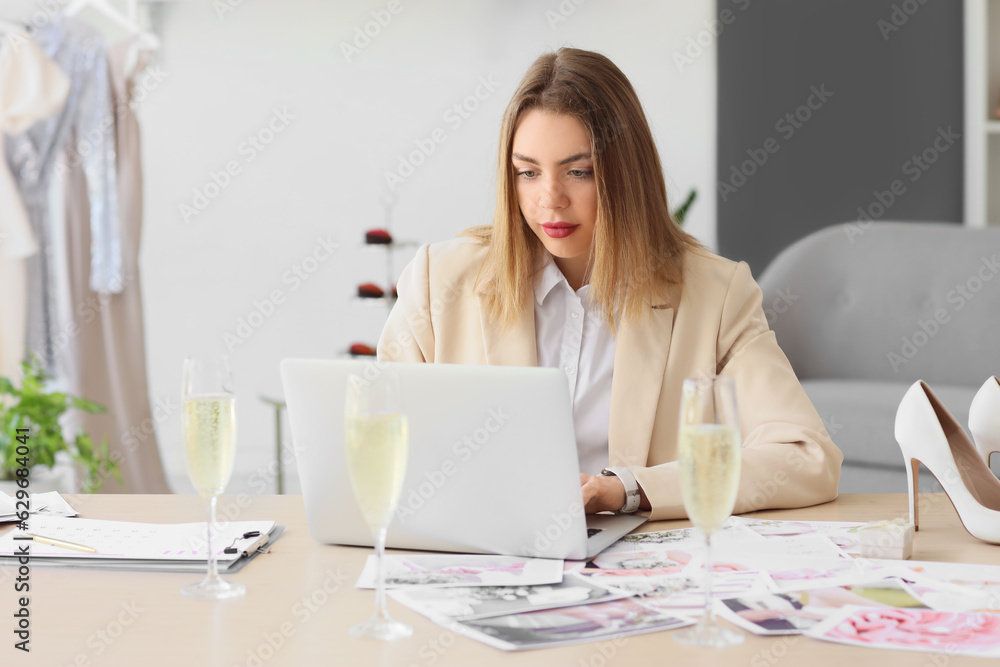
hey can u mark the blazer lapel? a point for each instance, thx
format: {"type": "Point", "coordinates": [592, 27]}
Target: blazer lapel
{"type": "Point", "coordinates": [512, 348]}
{"type": "Point", "coordinates": [640, 360]}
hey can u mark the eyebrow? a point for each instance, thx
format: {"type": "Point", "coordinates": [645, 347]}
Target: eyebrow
{"type": "Point", "coordinates": [571, 158]}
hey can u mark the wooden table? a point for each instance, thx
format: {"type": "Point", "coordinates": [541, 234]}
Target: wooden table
{"type": "Point", "coordinates": [301, 600]}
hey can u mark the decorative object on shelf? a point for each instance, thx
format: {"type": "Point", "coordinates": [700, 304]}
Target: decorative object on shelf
{"type": "Point", "coordinates": [378, 236]}
{"type": "Point", "coordinates": [370, 291]}
{"type": "Point", "coordinates": [39, 411]}
{"type": "Point", "coordinates": [380, 239]}
{"type": "Point", "coordinates": [362, 350]}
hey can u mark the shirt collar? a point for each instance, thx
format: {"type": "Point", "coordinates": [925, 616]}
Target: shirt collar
{"type": "Point", "coordinates": [552, 276]}
{"type": "Point", "coordinates": [549, 278]}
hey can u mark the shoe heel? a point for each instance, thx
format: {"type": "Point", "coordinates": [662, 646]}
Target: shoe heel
{"type": "Point", "coordinates": [912, 479]}
{"type": "Point", "coordinates": [984, 419]}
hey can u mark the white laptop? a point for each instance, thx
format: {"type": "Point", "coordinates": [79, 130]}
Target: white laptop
{"type": "Point", "coordinates": [492, 464]}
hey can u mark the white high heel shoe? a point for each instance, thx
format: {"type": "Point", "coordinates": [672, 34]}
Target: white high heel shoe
{"type": "Point", "coordinates": [928, 434]}
{"type": "Point", "coordinates": [984, 418]}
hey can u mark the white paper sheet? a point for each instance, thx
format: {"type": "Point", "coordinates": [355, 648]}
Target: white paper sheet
{"type": "Point", "coordinates": [127, 540]}
{"type": "Point", "coordinates": [50, 503]}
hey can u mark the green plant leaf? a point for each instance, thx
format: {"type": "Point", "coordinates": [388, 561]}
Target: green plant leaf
{"type": "Point", "coordinates": [683, 209]}
{"type": "Point", "coordinates": [87, 406]}
{"type": "Point", "coordinates": [40, 411]}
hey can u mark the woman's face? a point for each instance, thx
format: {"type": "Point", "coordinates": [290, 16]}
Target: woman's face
{"type": "Point", "coordinates": [556, 190]}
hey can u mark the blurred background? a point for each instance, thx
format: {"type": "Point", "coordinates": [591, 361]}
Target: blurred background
{"type": "Point", "coordinates": [274, 134]}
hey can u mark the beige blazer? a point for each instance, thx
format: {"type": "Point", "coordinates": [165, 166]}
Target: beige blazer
{"type": "Point", "coordinates": [715, 325]}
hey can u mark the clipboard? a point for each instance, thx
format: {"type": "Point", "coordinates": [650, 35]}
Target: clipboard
{"type": "Point", "coordinates": [138, 547]}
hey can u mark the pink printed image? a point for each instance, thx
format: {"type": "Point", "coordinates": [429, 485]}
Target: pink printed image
{"type": "Point", "coordinates": [920, 629]}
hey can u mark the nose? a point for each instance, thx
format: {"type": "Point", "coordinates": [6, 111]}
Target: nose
{"type": "Point", "coordinates": [552, 196]}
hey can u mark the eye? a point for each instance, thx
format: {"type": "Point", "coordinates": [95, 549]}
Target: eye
{"type": "Point", "coordinates": [580, 173]}
{"type": "Point", "coordinates": [527, 174]}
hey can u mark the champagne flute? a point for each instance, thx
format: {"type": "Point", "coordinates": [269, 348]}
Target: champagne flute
{"type": "Point", "coordinates": [709, 453]}
{"type": "Point", "coordinates": [377, 441]}
{"type": "Point", "coordinates": [209, 426]}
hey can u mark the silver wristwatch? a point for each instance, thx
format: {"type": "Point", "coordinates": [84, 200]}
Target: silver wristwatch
{"type": "Point", "coordinates": [631, 487]}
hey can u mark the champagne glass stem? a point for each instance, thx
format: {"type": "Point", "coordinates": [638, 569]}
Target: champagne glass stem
{"type": "Point", "coordinates": [381, 613]}
{"type": "Point", "coordinates": [708, 619]}
{"type": "Point", "coordinates": [213, 572]}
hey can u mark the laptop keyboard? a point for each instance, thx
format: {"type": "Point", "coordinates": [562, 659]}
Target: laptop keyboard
{"type": "Point", "coordinates": [593, 531]}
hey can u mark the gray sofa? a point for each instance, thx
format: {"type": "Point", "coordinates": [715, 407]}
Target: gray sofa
{"type": "Point", "coordinates": [864, 310]}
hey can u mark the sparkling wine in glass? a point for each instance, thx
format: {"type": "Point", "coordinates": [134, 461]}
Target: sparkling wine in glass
{"type": "Point", "coordinates": [209, 428]}
{"type": "Point", "coordinates": [376, 443]}
{"type": "Point", "coordinates": [709, 454]}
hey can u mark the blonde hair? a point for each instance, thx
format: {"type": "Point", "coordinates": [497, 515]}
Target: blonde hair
{"type": "Point", "coordinates": [638, 249]}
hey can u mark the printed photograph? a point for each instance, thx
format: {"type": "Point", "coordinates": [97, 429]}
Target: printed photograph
{"type": "Point", "coordinates": [475, 602]}
{"type": "Point", "coordinates": [949, 633]}
{"type": "Point", "coordinates": [585, 623]}
{"type": "Point", "coordinates": [793, 612]}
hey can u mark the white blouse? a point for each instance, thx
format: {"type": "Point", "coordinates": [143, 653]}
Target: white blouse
{"type": "Point", "coordinates": [571, 335]}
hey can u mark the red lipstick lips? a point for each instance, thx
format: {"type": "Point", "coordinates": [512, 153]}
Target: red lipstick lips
{"type": "Point", "coordinates": [559, 229]}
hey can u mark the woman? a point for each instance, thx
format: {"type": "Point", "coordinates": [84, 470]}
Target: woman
{"type": "Point", "coordinates": [584, 269]}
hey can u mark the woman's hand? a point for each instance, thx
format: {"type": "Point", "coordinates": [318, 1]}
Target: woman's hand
{"type": "Point", "coordinates": [602, 493]}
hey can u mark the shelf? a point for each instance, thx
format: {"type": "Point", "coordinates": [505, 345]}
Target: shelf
{"type": "Point", "coordinates": [376, 300]}
{"type": "Point", "coordinates": [395, 245]}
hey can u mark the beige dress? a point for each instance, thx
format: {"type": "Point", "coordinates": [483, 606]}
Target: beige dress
{"type": "Point", "coordinates": [109, 355]}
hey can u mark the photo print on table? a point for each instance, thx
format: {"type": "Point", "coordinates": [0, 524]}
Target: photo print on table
{"type": "Point", "coordinates": [475, 602]}
{"type": "Point", "coordinates": [569, 625]}
{"type": "Point", "coordinates": [948, 633]}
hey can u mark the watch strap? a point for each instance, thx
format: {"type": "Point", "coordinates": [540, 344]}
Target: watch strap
{"type": "Point", "coordinates": [632, 495]}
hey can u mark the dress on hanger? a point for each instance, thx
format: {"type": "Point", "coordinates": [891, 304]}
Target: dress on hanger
{"type": "Point", "coordinates": [32, 87]}
{"type": "Point", "coordinates": [108, 353]}
{"type": "Point", "coordinates": [34, 155]}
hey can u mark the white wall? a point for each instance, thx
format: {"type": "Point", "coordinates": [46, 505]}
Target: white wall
{"type": "Point", "coordinates": [323, 174]}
